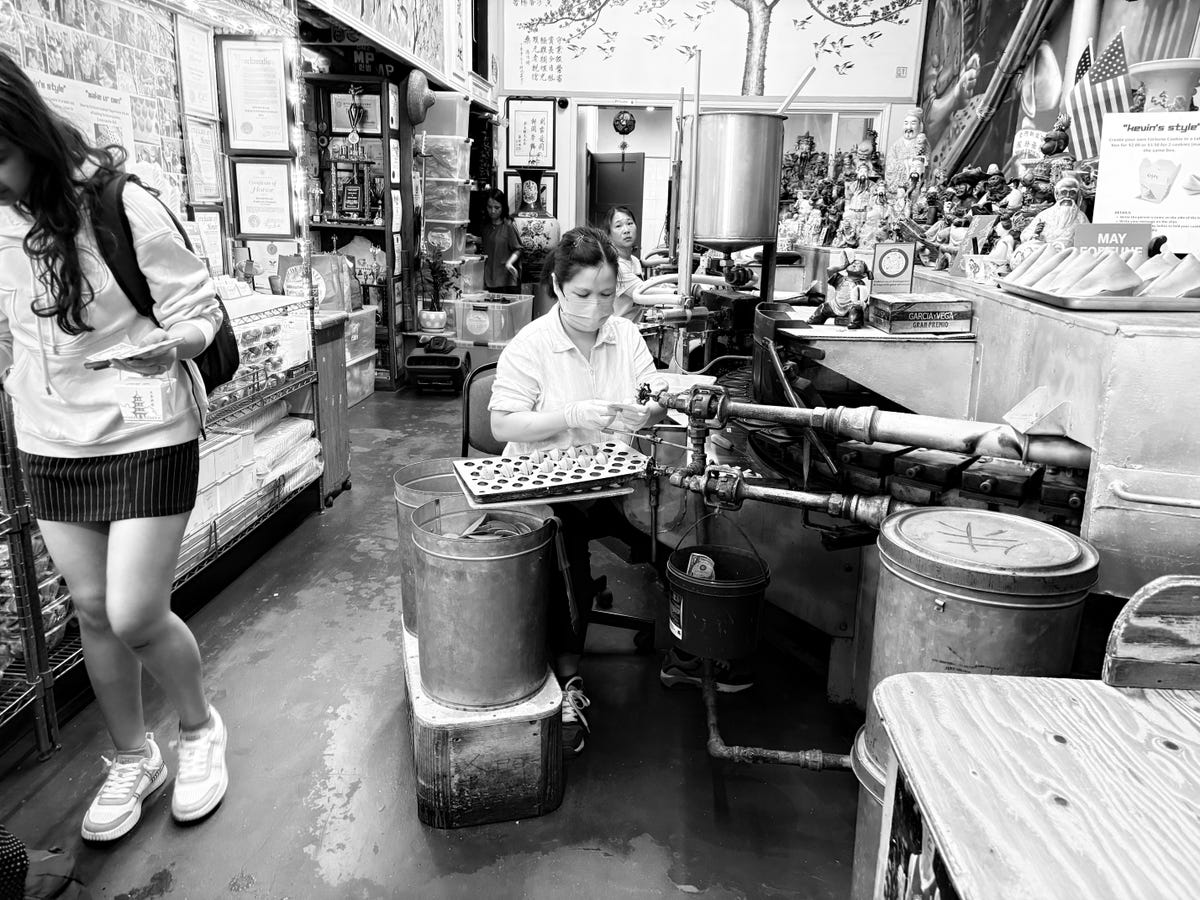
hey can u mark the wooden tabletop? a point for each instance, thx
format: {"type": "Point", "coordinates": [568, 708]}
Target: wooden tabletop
{"type": "Point", "coordinates": [1052, 788]}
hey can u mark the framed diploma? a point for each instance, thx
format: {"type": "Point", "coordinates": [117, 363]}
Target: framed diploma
{"type": "Point", "coordinates": [202, 151]}
{"type": "Point", "coordinates": [197, 69]}
{"type": "Point", "coordinates": [254, 91]}
{"type": "Point", "coordinates": [262, 197]}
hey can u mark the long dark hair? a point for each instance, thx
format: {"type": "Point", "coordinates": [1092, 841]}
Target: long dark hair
{"type": "Point", "coordinates": [580, 248]}
{"type": "Point", "coordinates": [68, 175]}
{"type": "Point", "coordinates": [500, 197]}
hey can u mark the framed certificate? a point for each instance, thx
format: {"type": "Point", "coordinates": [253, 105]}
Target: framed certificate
{"type": "Point", "coordinates": [202, 151]}
{"type": "Point", "coordinates": [339, 113]}
{"type": "Point", "coordinates": [254, 91]}
{"type": "Point", "coordinates": [262, 197]}
{"type": "Point", "coordinates": [197, 69]}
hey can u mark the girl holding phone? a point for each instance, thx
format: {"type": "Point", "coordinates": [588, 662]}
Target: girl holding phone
{"type": "Point", "coordinates": [110, 456]}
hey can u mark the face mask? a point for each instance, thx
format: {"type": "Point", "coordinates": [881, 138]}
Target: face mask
{"type": "Point", "coordinates": [584, 315]}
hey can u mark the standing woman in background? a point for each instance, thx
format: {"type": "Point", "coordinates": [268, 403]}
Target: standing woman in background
{"type": "Point", "coordinates": [111, 481]}
{"type": "Point", "coordinates": [623, 231]}
{"type": "Point", "coordinates": [501, 244]}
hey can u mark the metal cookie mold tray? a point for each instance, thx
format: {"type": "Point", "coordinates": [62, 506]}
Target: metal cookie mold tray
{"type": "Point", "coordinates": [550, 473]}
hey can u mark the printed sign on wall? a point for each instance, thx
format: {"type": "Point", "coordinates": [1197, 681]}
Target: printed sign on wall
{"type": "Point", "coordinates": [1151, 166]}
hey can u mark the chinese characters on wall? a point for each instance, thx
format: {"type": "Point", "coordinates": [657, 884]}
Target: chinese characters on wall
{"type": "Point", "coordinates": [541, 59]}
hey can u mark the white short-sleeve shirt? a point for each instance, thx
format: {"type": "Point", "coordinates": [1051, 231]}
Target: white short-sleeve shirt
{"type": "Point", "coordinates": [629, 276]}
{"type": "Point", "coordinates": [541, 369]}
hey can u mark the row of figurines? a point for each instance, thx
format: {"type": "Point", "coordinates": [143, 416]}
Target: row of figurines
{"type": "Point", "coordinates": [866, 206]}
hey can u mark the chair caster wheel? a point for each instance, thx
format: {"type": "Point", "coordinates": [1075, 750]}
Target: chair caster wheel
{"type": "Point", "coordinates": [644, 641]}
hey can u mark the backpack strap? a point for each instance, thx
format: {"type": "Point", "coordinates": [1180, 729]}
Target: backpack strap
{"type": "Point", "coordinates": [114, 237]}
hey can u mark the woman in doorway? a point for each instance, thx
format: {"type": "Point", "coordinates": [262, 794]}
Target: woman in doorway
{"type": "Point", "coordinates": [565, 380]}
{"type": "Point", "coordinates": [110, 456]}
{"type": "Point", "coordinates": [501, 244]}
{"type": "Point", "coordinates": [623, 231]}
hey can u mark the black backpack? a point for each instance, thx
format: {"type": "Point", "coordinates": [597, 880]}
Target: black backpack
{"type": "Point", "coordinates": [219, 361]}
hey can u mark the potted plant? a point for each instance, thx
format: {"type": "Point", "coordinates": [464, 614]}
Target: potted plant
{"type": "Point", "coordinates": [438, 287]}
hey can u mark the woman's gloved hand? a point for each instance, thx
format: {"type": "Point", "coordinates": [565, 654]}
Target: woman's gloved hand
{"type": "Point", "coordinates": [636, 416]}
{"type": "Point", "coordinates": [593, 414]}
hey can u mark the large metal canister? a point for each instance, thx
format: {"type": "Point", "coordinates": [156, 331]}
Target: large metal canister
{"type": "Point", "coordinates": [740, 157]}
{"type": "Point", "coordinates": [969, 591]}
{"type": "Point", "coordinates": [482, 603]}
{"type": "Point", "coordinates": [872, 782]}
{"type": "Point", "coordinates": [415, 485]}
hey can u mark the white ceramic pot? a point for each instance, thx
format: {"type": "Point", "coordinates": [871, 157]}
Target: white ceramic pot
{"type": "Point", "coordinates": [1170, 83]}
{"type": "Point", "coordinates": [432, 320]}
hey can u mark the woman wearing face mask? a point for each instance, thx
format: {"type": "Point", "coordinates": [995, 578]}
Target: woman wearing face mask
{"type": "Point", "coordinates": [563, 380]}
{"type": "Point", "coordinates": [623, 231]}
{"type": "Point", "coordinates": [502, 246]}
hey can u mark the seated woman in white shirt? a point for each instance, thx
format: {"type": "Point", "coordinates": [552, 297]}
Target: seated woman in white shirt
{"type": "Point", "coordinates": [565, 378]}
{"type": "Point", "coordinates": [623, 231]}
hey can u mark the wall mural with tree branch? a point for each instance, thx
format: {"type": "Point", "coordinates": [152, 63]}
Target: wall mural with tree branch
{"type": "Point", "coordinates": [862, 48]}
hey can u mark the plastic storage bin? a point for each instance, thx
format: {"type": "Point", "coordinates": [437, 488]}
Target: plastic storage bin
{"type": "Point", "coordinates": [360, 379]}
{"type": "Point", "coordinates": [470, 274]}
{"type": "Point", "coordinates": [448, 236]}
{"type": "Point", "coordinates": [491, 318]}
{"type": "Point", "coordinates": [448, 115]}
{"type": "Point", "coordinates": [446, 156]}
{"type": "Point", "coordinates": [446, 198]}
{"type": "Point", "coordinates": [360, 332]}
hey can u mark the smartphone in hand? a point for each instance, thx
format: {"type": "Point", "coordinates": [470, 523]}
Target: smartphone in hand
{"type": "Point", "coordinates": [126, 351]}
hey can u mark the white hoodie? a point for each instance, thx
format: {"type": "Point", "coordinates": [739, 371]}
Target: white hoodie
{"type": "Point", "coordinates": [61, 408]}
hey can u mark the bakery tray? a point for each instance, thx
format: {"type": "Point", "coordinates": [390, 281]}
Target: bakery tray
{"type": "Point", "coordinates": [502, 479]}
{"type": "Point", "coordinates": [1104, 304]}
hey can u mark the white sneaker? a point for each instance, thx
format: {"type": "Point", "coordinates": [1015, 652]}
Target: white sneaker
{"type": "Point", "coordinates": [132, 777]}
{"type": "Point", "coordinates": [574, 722]}
{"type": "Point", "coordinates": [203, 778]}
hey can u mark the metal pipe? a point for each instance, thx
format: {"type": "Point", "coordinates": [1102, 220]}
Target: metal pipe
{"type": "Point", "coordinates": [865, 509]}
{"type": "Point", "coordinates": [718, 749]}
{"type": "Point", "coordinates": [869, 424]}
{"type": "Point", "coordinates": [1121, 491]}
{"type": "Point", "coordinates": [688, 220]}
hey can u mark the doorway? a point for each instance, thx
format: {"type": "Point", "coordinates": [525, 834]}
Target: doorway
{"type": "Point", "coordinates": [615, 180]}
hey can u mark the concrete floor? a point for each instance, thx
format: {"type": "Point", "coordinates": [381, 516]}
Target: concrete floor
{"type": "Point", "coordinates": [301, 659]}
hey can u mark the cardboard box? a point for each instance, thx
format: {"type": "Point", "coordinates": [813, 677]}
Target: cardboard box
{"type": "Point", "coordinates": [920, 313]}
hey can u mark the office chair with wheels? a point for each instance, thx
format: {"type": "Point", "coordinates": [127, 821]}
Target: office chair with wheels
{"type": "Point", "coordinates": [477, 435]}
{"type": "Point", "coordinates": [477, 421]}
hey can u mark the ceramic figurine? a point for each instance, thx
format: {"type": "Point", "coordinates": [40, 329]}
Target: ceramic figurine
{"type": "Point", "coordinates": [1014, 199]}
{"type": "Point", "coordinates": [908, 157]}
{"type": "Point", "coordinates": [1060, 220]}
{"type": "Point", "coordinates": [1056, 161]}
{"type": "Point", "coordinates": [846, 296]}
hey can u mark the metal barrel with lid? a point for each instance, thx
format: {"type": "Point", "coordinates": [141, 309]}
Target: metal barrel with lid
{"type": "Point", "coordinates": [969, 591]}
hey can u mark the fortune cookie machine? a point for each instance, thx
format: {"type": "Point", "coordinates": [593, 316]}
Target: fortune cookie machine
{"type": "Point", "coordinates": [1082, 420]}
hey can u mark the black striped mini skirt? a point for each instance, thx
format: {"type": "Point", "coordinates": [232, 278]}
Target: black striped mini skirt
{"type": "Point", "coordinates": [144, 484]}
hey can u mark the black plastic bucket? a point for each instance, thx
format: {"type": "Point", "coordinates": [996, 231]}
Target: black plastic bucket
{"type": "Point", "coordinates": [718, 619]}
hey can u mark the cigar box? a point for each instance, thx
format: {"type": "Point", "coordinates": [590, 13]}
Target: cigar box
{"type": "Point", "coordinates": [931, 313]}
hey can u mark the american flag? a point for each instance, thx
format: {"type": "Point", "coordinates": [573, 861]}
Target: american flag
{"type": "Point", "coordinates": [1085, 63]}
{"type": "Point", "coordinates": [1104, 88]}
